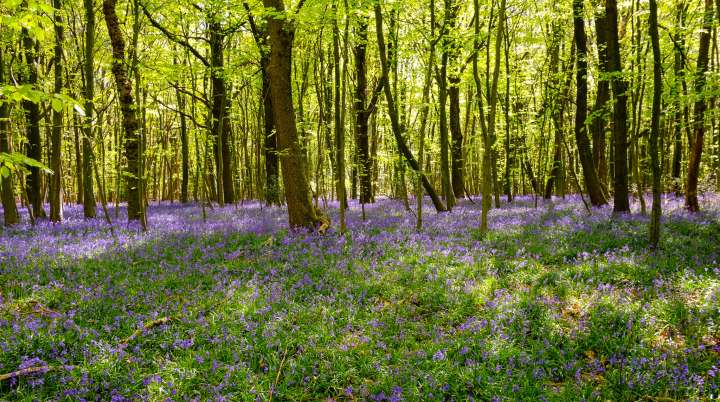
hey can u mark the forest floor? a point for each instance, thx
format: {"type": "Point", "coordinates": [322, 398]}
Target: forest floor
{"type": "Point", "coordinates": [553, 304]}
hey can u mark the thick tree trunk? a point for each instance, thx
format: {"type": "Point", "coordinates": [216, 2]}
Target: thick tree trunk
{"type": "Point", "coordinates": [362, 114]}
{"type": "Point", "coordinates": [7, 195]}
{"type": "Point", "coordinates": [89, 204]}
{"type": "Point", "coordinates": [56, 197]}
{"type": "Point", "coordinates": [655, 126]}
{"type": "Point", "coordinates": [127, 109]}
{"type": "Point", "coordinates": [301, 211]}
{"type": "Point", "coordinates": [583, 142]}
{"type": "Point", "coordinates": [394, 117]}
{"type": "Point", "coordinates": [220, 120]}
{"type": "Point", "coordinates": [272, 164]}
{"type": "Point", "coordinates": [696, 146]}
{"type": "Point", "coordinates": [442, 81]}
{"type": "Point", "coordinates": [619, 89]}
{"type": "Point", "coordinates": [598, 125]}
{"type": "Point", "coordinates": [32, 116]}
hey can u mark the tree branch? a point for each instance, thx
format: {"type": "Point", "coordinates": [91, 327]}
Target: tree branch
{"type": "Point", "coordinates": [173, 37]}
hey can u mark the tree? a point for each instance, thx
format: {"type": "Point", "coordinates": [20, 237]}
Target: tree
{"type": "Point", "coordinates": [272, 167]}
{"type": "Point", "coordinates": [88, 159]}
{"type": "Point", "coordinates": [442, 80]}
{"type": "Point", "coordinates": [696, 145]}
{"type": "Point", "coordinates": [598, 123]}
{"type": "Point", "coordinates": [7, 195]}
{"type": "Point", "coordinates": [592, 183]}
{"type": "Point", "coordinates": [393, 112]}
{"type": "Point", "coordinates": [56, 211]}
{"type": "Point", "coordinates": [132, 172]}
{"type": "Point", "coordinates": [32, 115]}
{"type": "Point", "coordinates": [363, 110]}
{"type": "Point", "coordinates": [301, 212]}
{"type": "Point", "coordinates": [619, 89]}
{"type": "Point", "coordinates": [655, 125]}
{"type": "Point", "coordinates": [339, 129]}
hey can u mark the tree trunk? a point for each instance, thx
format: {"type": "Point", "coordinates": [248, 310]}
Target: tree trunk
{"type": "Point", "coordinates": [301, 212]}
{"type": "Point", "coordinates": [89, 204]}
{"type": "Point", "coordinates": [655, 126]}
{"type": "Point", "coordinates": [56, 196]}
{"type": "Point", "coordinates": [362, 113]}
{"type": "Point", "coordinates": [456, 146]}
{"type": "Point", "coordinates": [691, 198]}
{"type": "Point", "coordinates": [32, 116]}
{"type": "Point", "coordinates": [272, 166]}
{"type": "Point", "coordinates": [597, 124]}
{"type": "Point", "coordinates": [127, 108]}
{"type": "Point", "coordinates": [680, 87]}
{"type": "Point", "coordinates": [7, 195]}
{"type": "Point", "coordinates": [339, 129]}
{"type": "Point", "coordinates": [557, 105]}
{"type": "Point", "coordinates": [583, 142]}
{"type": "Point", "coordinates": [185, 147]}
{"type": "Point", "coordinates": [394, 118]}
{"type": "Point", "coordinates": [220, 120]}
{"type": "Point", "coordinates": [619, 89]}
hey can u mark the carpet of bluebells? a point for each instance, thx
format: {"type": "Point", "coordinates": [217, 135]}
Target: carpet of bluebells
{"type": "Point", "coordinates": [553, 304]}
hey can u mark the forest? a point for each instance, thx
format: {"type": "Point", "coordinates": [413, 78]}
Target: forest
{"type": "Point", "coordinates": [342, 200]}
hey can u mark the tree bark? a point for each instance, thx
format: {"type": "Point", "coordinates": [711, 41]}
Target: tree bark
{"type": "Point", "coordinates": [89, 203]}
{"type": "Point", "coordinates": [619, 89]}
{"type": "Point", "coordinates": [32, 116]}
{"type": "Point", "coordinates": [7, 196]}
{"type": "Point", "coordinates": [301, 212]}
{"type": "Point", "coordinates": [339, 129]}
{"type": "Point", "coordinates": [597, 124]}
{"type": "Point", "coordinates": [220, 120]}
{"type": "Point", "coordinates": [583, 142]}
{"type": "Point", "coordinates": [127, 109]}
{"type": "Point", "coordinates": [655, 126]}
{"type": "Point", "coordinates": [394, 118]}
{"type": "Point", "coordinates": [696, 146]}
{"type": "Point", "coordinates": [442, 81]}
{"type": "Point", "coordinates": [56, 196]}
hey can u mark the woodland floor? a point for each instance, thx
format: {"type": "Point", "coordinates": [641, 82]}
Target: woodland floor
{"type": "Point", "coordinates": [552, 305]}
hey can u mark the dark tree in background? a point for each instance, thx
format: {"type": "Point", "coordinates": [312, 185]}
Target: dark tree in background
{"type": "Point", "coordinates": [129, 119]}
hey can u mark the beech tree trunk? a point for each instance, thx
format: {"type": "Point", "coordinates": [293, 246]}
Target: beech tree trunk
{"type": "Point", "coordinates": [301, 212]}
{"type": "Point", "coordinates": [655, 126]}
{"type": "Point", "coordinates": [457, 176]}
{"type": "Point", "coordinates": [7, 195]}
{"type": "Point", "coordinates": [127, 109]}
{"type": "Point", "coordinates": [696, 146]}
{"type": "Point", "coordinates": [56, 196]}
{"type": "Point", "coordinates": [362, 113]}
{"type": "Point", "coordinates": [619, 89]}
{"type": "Point", "coordinates": [598, 122]}
{"type": "Point", "coordinates": [89, 204]}
{"type": "Point", "coordinates": [32, 115]}
{"type": "Point", "coordinates": [220, 120]}
{"type": "Point", "coordinates": [592, 182]}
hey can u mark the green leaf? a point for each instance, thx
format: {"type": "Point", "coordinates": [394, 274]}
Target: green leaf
{"type": "Point", "coordinates": [56, 104]}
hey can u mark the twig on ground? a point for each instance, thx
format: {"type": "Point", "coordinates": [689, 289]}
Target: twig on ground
{"type": "Point", "coordinates": [146, 327]}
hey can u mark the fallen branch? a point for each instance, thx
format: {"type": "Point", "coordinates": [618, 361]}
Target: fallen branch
{"type": "Point", "coordinates": [146, 327]}
{"type": "Point", "coordinates": [26, 371]}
